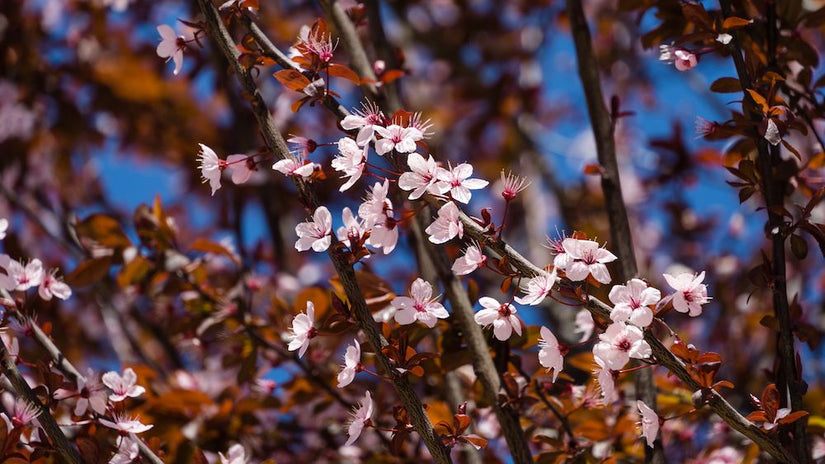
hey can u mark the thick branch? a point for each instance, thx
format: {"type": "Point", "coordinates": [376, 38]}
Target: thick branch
{"type": "Point", "coordinates": [622, 240]}
{"type": "Point", "coordinates": [275, 142]}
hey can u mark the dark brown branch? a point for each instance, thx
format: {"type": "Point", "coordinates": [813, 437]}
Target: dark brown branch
{"type": "Point", "coordinates": [275, 142]}
{"type": "Point", "coordinates": [788, 379]}
{"type": "Point", "coordinates": [621, 239]}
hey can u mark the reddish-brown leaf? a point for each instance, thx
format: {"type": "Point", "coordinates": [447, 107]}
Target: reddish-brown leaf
{"type": "Point", "coordinates": [292, 79]}
{"type": "Point", "coordinates": [339, 70]}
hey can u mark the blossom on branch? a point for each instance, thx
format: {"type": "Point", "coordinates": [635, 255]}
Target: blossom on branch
{"type": "Point", "coordinates": [632, 302]}
{"type": "Point", "coordinates": [538, 288]}
{"type": "Point", "coordinates": [470, 261]}
{"type": "Point", "coordinates": [351, 160]}
{"type": "Point", "coordinates": [501, 316]}
{"type": "Point", "coordinates": [315, 234]}
{"type": "Point", "coordinates": [52, 286]}
{"type": "Point", "coordinates": [419, 306]}
{"type": "Point", "coordinates": [395, 137]}
{"type": "Point", "coordinates": [447, 225]}
{"type": "Point", "coordinates": [171, 46]}
{"type": "Point", "coordinates": [19, 277]}
{"type": "Point", "coordinates": [550, 355]}
{"type": "Point", "coordinates": [650, 422]}
{"type": "Point", "coordinates": [125, 424]}
{"type": "Point", "coordinates": [422, 178]}
{"type": "Point", "coordinates": [586, 257]}
{"type": "Point", "coordinates": [365, 122]}
{"type": "Point", "coordinates": [690, 294]}
{"type": "Point", "coordinates": [361, 417]}
{"type": "Point", "coordinates": [619, 343]}
{"type": "Point", "coordinates": [122, 387]}
{"type": "Point", "coordinates": [352, 359]}
{"type": "Point", "coordinates": [303, 330]}
{"type": "Point", "coordinates": [458, 183]}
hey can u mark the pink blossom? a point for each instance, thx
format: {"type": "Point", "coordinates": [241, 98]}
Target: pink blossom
{"type": "Point", "coordinates": [127, 451]}
{"type": "Point", "coordinates": [19, 412]}
{"type": "Point", "coordinates": [586, 257]}
{"type": "Point", "coordinates": [361, 417]}
{"type": "Point", "coordinates": [211, 167]}
{"type": "Point", "coordinates": [772, 134]}
{"type": "Point", "coordinates": [303, 330]}
{"type": "Point", "coordinates": [123, 387]}
{"type": "Point", "coordinates": [90, 392]}
{"type": "Point", "coordinates": [512, 185]}
{"type": "Point", "coordinates": [550, 355]}
{"type": "Point", "coordinates": [457, 181]}
{"type": "Point", "coordinates": [365, 122]}
{"type": "Point", "coordinates": [501, 316]}
{"type": "Point", "coordinates": [650, 422]}
{"type": "Point", "coordinates": [690, 294]}
{"type": "Point", "coordinates": [377, 212]}
{"type": "Point", "coordinates": [4, 227]}
{"type": "Point", "coordinates": [352, 230]}
{"type": "Point", "coordinates": [295, 167]}
{"type": "Point", "coordinates": [420, 306]}
{"type": "Point", "coordinates": [125, 424]}
{"type": "Point", "coordinates": [395, 137]}
{"type": "Point", "coordinates": [619, 343]}
{"type": "Point", "coordinates": [351, 160]}
{"type": "Point", "coordinates": [317, 233]}
{"type": "Point", "coordinates": [584, 324]}
{"type": "Point", "coordinates": [171, 46]}
{"type": "Point", "coordinates": [423, 177]}
{"type": "Point", "coordinates": [632, 303]}
{"type": "Point", "coordinates": [384, 235]}
{"type": "Point", "coordinates": [52, 286]}
{"type": "Point", "coordinates": [684, 60]}
{"type": "Point", "coordinates": [241, 167]}
{"type": "Point", "coordinates": [470, 261]}
{"type": "Point", "coordinates": [352, 360]}
{"type": "Point", "coordinates": [607, 383]}
{"type": "Point", "coordinates": [316, 43]}
{"type": "Point", "coordinates": [538, 288]}
{"type": "Point", "coordinates": [235, 455]}
{"type": "Point", "coordinates": [447, 225]}
{"type": "Point", "coordinates": [21, 278]}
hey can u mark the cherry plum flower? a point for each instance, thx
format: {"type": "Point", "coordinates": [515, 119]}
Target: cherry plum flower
{"type": "Point", "coordinates": [126, 424]}
{"type": "Point", "coordinates": [295, 167]}
{"type": "Point", "coordinates": [502, 317]}
{"type": "Point", "coordinates": [607, 383]}
{"type": "Point", "coordinates": [650, 422]}
{"type": "Point", "coordinates": [550, 353]}
{"type": "Point", "coordinates": [315, 234]}
{"type": "Point", "coordinates": [351, 160]}
{"type": "Point", "coordinates": [377, 212]}
{"type": "Point", "coordinates": [53, 287]}
{"type": "Point", "coordinates": [470, 261]}
{"type": "Point", "coordinates": [422, 178]}
{"type": "Point", "coordinates": [127, 451]}
{"type": "Point", "coordinates": [512, 185]}
{"type": "Point", "coordinates": [241, 167]}
{"type": "Point", "coordinates": [90, 393]}
{"type": "Point", "coordinates": [458, 182]}
{"type": "Point", "coordinates": [632, 303]}
{"type": "Point", "coordinates": [211, 167]}
{"type": "Point", "coordinates": [122, 387]}
{"type": "Point", "coordinates": [584, 324]}
{"type": "Point", "coordinates": [690, 294]}
{"type": "Point", "coordinates": [419, 306]}
{"type": "Point", "coordinates": [361, 417]}
{"type": "Point", "coordinates": [353, 229]}
{"type": "Point", "coordinates": [365, 122]}
{"type": "Point", "coordinates": [586, 258]}
{"type": "Point", "coordinates": [685, 60]}
{"type": "Point", "coordinates": [4, 227]}
{"type": "Point", "coordinates": [538, 288]}
{"type": "Point", "coordinates": [303, 330]}
{"type": "Point", "coordinates": [352, 360]}
{"type": "Point", "coordinates": [395, 137]}
{"type": "Point", "coordinates": [446, 226]}
{"type": "Point", "coordinates": [19, 277]}
{"type": "Point", "coordinates": [619, 343]}
{"type": "Point", "coordinates": [19, 412]}
{"type": "Point", "coordinates": [171, 46]}
{"type": "Point", "coordinates": [235, 455]}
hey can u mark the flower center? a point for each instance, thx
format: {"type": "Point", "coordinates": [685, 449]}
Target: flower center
{"type": "Point", "coordinates": [624, 345]}
{"type": "Point", "coordinates": [504, 310]}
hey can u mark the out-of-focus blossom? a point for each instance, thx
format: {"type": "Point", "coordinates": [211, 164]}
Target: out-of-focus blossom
{"type": "Point", "coordinates": [772, 134]}
{"type": "Point", "coordinates": [650, 422]}
{"type": "Point", "coordinates": [395, 137]}
{"type": "Point", "coordinates": [127, 451]}
{"type": "Point", "coordinates": [584, 324]}
{"type": "Point", "coordinates": [303, 330]}
{"type": "Point", "coordinates": [470, 261]}
{"type": "Point", "coordinates": [123, 387]}
{"type": "Point", "coordinates": [690, 294]}
{"type": "Point", "coordinates": [241, 167]}
{"type": "Point", "coordinates": [352, 359]}
{"type": "Point", "coordinates": [90, 393]}
{"type": "Point", "coordinates": [632, 303]}
{"type": "Point", "coordinates": [235, 455]}
{"type": "Point", "coordinates": [586, 257]}
{"type": "Point", "coordinates": [422, 178]}
{"type": "Point", "coordinates": [724, 38]}
{"type": "Point", "coordinates": [4, 227]}
{"type": "Point", "coordinates": [607, 384]}
{"type": "Point", "coordinates": [685, 60]}
{"type": "Point", "coordinates": [538, 288]}
{"type": "Point", "coordinates": [53, 287]}
{"type": "Point", "coordinates": [317, 233]}
{"type": "Point", "coordinates": [295, 167]}
{"type": "Point", "coordinates": [419, 306]}
{"type": "Point", "coordinates": [211, 167]}
{"type": "Point", "coordinates": [19, 412]}
{"type": "Point", "coordinates": [19, 277]}
{"type": "Point", "coordinates": [619, 343]}
{"type": "Point", "coordinates": [447, 225]}
{"type": "Point", "coordinates": [550, 355]}
{"type": "Point", "coordinates": [501, 316]}
{"type": "Point", "coordinates": [350, 160]}
{"type": "Point", "coordinates": [457, 181]}
{"type": "Point", "coordinates": [361, 417]}
{"type": "Point", "coordinates": [171, 46]}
